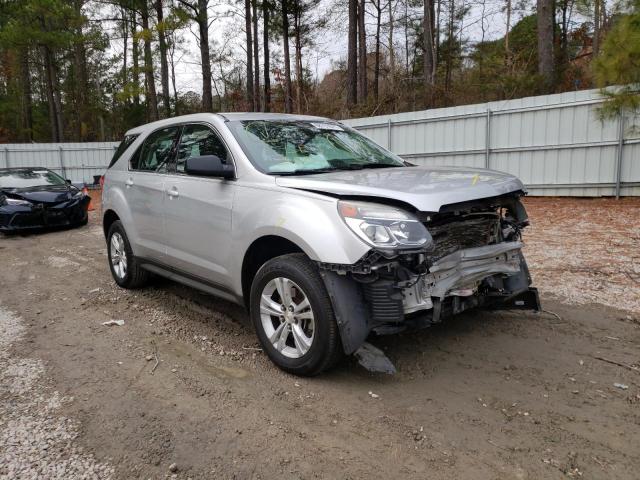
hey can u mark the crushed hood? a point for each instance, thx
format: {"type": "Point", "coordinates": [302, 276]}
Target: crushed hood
{"type": "Point", "coordinates": [425, 188]}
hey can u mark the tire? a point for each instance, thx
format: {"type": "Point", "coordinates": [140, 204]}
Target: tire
{"type": "Point", "coordinates": [133, 275]}
{"type": "Point", "coordinates": [312, 343]}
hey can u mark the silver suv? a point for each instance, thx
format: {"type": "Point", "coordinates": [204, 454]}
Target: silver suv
{"type": "Point", "coordinates": [324, 236]}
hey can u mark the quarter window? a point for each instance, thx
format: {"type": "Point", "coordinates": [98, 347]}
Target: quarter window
{"type": "Point", "coordinates": [199, 140]}
{"type": "Point", "coordinates": [124, 144]}
{"type": "Point", "coordinates": [155, 153]}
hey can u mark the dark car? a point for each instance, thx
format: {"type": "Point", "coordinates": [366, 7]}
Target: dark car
{"type": "Point", "coordinates": [37, 198]}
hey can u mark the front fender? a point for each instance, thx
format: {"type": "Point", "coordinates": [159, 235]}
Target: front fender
{"type": "Point", "coordinates": [309, 220]}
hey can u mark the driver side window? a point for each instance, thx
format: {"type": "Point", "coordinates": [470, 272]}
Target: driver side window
{"type": "Point", "coordinates": [155, 153]}
{"type": "Point", "coordinates": [199, 140]}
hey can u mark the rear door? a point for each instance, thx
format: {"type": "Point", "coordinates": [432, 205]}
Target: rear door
{"type": "Point", "coordinates": [144, 189]}
{"type": "Point", "coordinates": [198, 209]}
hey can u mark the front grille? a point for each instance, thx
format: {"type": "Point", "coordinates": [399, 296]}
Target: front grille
{"type": "Point", "coordinates": [462, 231]}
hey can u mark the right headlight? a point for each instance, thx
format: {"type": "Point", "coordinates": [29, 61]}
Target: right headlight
{"type": "Point", "coordinates": [384, 226]}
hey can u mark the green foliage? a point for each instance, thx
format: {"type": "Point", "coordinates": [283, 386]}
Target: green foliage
{"type": "Point", "coordinates": [619, 64]}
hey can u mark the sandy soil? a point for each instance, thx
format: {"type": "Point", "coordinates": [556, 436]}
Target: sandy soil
{"type": "Point", "coordinates": [483, 396]}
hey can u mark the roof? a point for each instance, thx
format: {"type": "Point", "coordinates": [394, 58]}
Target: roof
{"type": "Point", "coordinates": [231, 116]}
{"type": "Point", "coordinates": [240, 116]}
{"type": "Point", "coordinates": [22, 169]}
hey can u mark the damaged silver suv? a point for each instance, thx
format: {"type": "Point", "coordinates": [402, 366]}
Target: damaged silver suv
{"type": "Point", "coordinates": [324, 236]}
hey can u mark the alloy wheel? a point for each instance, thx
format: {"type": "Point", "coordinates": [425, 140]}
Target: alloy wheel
{"type": "Point", "coordinates": [118, 255]}
{"type": "Point", "coordinates": [287, 317]}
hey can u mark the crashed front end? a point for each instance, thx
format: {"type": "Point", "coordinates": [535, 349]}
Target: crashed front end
{"type": "Point", "coordinates": [471, 256]}
{"type": "Point", "coordinates": [18, 213]}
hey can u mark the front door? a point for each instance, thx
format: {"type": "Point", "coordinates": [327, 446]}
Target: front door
{"type": "Point", "coordinates": [198, 210]}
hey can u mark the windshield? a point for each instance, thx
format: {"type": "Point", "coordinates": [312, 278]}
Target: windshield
{"type": "Point", "coordinates": [29, 178]}
{"type": "Point", "coordinates": [299, 147]}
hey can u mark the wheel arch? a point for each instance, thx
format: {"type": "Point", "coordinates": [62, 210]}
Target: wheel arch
{"type": "Point", "coordinates": [260, 252]}
{"type": "Point", "coordinates": [109, 217]}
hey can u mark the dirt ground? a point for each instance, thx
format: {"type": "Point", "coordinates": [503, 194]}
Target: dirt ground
{"type": "Point", "coordinates": [483, 396]}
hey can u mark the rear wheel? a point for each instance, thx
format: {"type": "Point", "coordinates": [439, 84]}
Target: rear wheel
{"type": "Point", "coordinates": [293, 316]}
{"type": "Point", "coordinates": [125, 268]}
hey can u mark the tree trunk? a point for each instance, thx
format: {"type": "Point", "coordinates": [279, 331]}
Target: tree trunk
{"type": "Point", "coordinates": [596, 28]}
{"type": "Point", "coordinates": [436, 39]}
{"type": "Point", "coordinates": [164, 67]}
{"type": "Point", "coordinates": [265, 41]}
{"type": "Point", "coordinates": [362, 42]}
{"type": "Point", "coordinates": [288, 100]}
{"type": "Point", "coordinates": [352, 55]}
{"type": "Point", "coordinates": [507, 50]}
{"type": "Point", "coordinates": [125, 48]}
{"type": "Point", "coordinates": [205, 59]}
{"type": "Point", "coordinates": [429, 53]}
{"type": "Point", "coordinates": [298, 48]}
{"type": "Point", "coordinates": [376, 70]}
{"type": "Point", "coordinates": [545, 42]}
{"type": "Point", "coordinates": [152, 99]}
{"type": "Point", "coordinates": [451, 41]}
{"type": "Point", "coordinates": [256, 60]}
{"type": "Point", "coordinates": [176, 108]}
{"type": "Point", "coordinates": [27, 104]}
{"type": "Point", "coordinates": [392, 52]}
{"type": "Point", "coordinates": [80, 77]}
{"type": "Point", "coordinates": [406, 36]}
{"type": "Point", "coordinates": [135, 53]}
{"type": "Point", "coordinates": [247, 26]}
{"type": "Point", "coordinates": [53, 96]}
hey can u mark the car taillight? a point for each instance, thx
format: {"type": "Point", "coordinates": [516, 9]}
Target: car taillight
{"type": "Point", "coordinates": [101, 181]}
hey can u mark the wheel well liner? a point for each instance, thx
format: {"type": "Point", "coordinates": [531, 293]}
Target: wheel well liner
{"type": "Point", "coordinates": [259, 252]}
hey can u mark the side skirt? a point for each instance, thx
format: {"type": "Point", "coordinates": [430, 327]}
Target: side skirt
{"type": "Point", "coordinates": [190, 281]}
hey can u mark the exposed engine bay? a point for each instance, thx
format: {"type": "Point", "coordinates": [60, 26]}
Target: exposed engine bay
{"type": "Point", "coordinates": [474, 260]}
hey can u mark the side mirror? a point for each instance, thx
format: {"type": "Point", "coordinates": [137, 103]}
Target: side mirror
{"type": "Point", "coordinates": [208, 166]}
{"type": "Point", "coordinates": [68, 181]}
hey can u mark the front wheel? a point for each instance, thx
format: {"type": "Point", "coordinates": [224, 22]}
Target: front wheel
{"type": "Point", "coordinates": [293, 316]}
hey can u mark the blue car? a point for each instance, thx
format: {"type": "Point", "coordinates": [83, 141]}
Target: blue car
{"type": "Point", "coordinates": [37, 198]}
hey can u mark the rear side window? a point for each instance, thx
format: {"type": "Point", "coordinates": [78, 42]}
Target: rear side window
{"type": "Point", "coordinates": [156, 152]}
{"type": "Point", "coordinates": [198, 140]}
{"type": "Point", "coordinates": [124, 144]}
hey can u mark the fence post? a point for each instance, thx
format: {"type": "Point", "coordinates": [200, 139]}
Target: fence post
{"type": "Point", "coordinates": [63, 171]}
{"type": "Point", "coordinates": [619, 152]}
{"type": "Point", "coordinates": [389, 134]}
{"type": "Point", "coordinates": [487, 140]}
{"type": "Point", "coordinates": [6, 157]}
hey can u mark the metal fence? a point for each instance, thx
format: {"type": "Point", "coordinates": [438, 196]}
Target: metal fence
{"type": "Point", "coordinates": [78, 162]}
{"type": "Point", "coordinates": [556, 144]}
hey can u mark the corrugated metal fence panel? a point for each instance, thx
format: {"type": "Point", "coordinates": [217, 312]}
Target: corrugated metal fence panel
{"type": "Point", "coordinates": [78, 162]}
{"type": "Point", "coordinates": [556, 144]}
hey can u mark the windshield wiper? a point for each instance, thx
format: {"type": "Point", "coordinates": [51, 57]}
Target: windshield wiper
{"type": "Point", "coordinates": [335, 168]}
{"type": "Point", "coordinates": [378, 165]}
{"type": "Point", "coordinates": [306, 171]}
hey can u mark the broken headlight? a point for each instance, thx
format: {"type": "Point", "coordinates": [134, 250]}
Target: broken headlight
{"type": "Point", "coordinates": [13, 201]}
{"type": "Point", "coordinates": [384, 226]}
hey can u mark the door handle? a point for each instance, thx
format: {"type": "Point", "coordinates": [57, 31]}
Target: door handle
{"type": "Point", "coordinates": [129, 182]}
{"type": "Point", "coordinates": [173, 192]}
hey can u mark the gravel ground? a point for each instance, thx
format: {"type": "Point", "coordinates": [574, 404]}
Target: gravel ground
{"type": "Point", "coordinates": [483, 396]}
{"type": "Point", "coordinates": [36, 441]}
{"type": "Point", "coordinates": [586, 250]}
